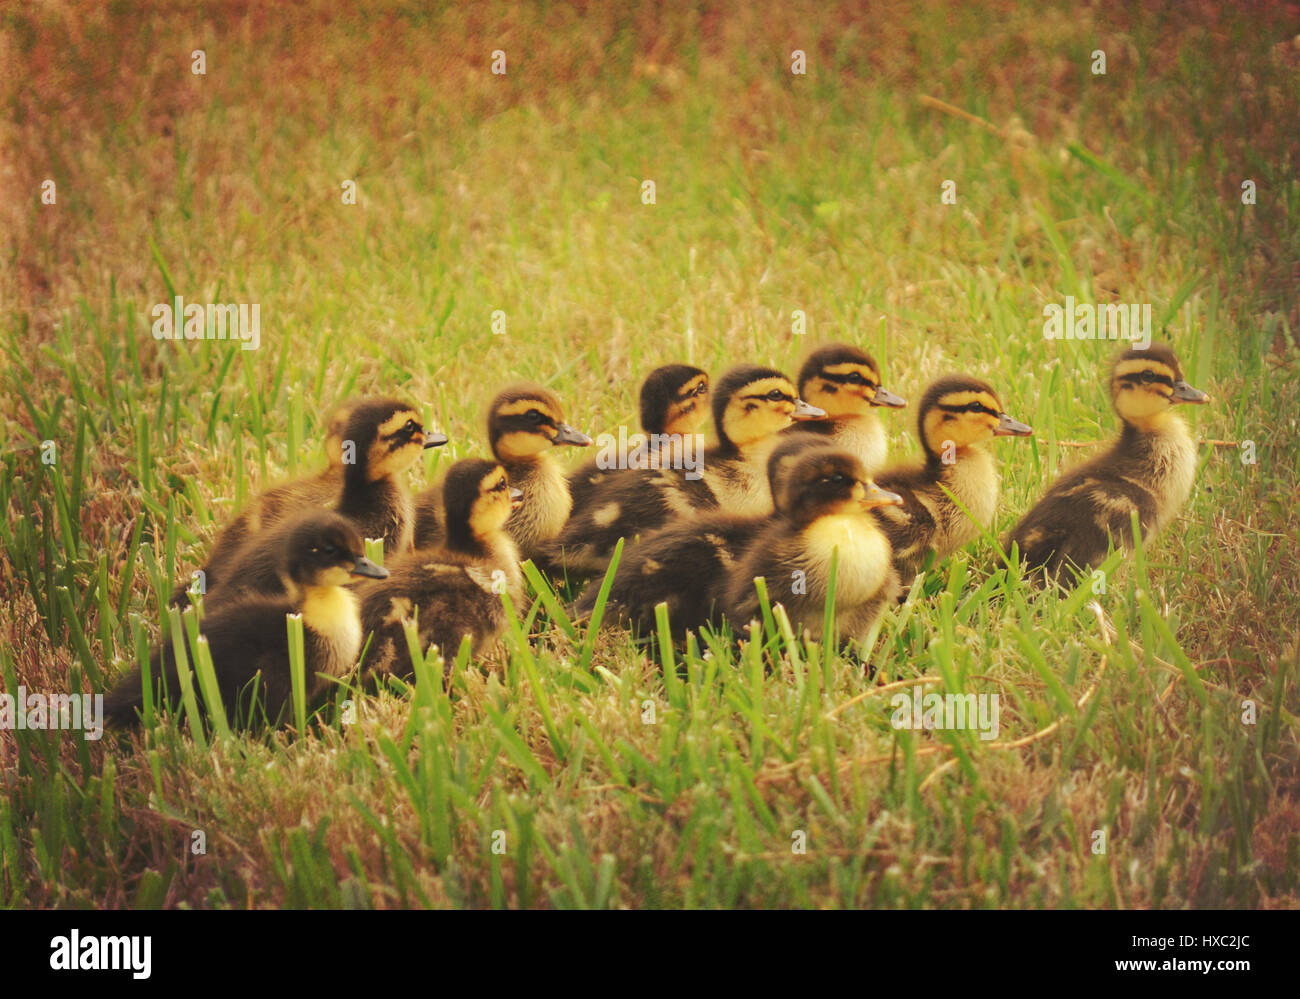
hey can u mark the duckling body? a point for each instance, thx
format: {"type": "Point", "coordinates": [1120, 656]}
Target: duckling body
{"type": "Point", "coordinates": [846, 383]}
{"type": "Point", "coordinates": [248, 638]}
{"type": "Point", "coordinates": [958, 416]}
{"type": "Point", "coordinates": [1149, 470]}
{"type": "Point", "coordinates": [386, 438]}
{"type": "Point", "coordinates": [525, 423]}
{"type": "Point", "coordinates": [750, 406]}
{"type": "Point", "coordinates": [453, 590]}
{"type": "Point", "coordinates": [685, 564]}
{"type": "Point", "coordinates": [673, 405]}
{"type": "Point", "coordinates": [825, 513]}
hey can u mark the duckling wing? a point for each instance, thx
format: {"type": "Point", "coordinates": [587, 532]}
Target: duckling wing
{"type": "Point", "coordinates": [430, 519]}
{"type": "Point", "coordinates": [1080, 516]}
{"type": "Point", "coordinates": [685, 565]}
{"type": "Point", "coordinates": [629, 503]}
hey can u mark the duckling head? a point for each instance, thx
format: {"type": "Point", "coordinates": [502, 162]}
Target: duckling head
{"type": "Point", "coordinates": [753, 403]}
{"type": "Point", "coordinates": [526, 420]}
{"type": "Point", "coordinates": [321, 548]}
{"type": "Point", "coordinates": [1145, 385]}
{"type": "Point", "coordinates": [386, 437]}
{"type": "Point", "coordinates": [479, 501]}
{"type": "Point", "coordinates": [960, 412]}
{"type": "Point", "coordinates": [844, 381]}
{"type": "Point", "coordinates": [825, 482]}
{"type": "Point", "coordinates": [674, 400]}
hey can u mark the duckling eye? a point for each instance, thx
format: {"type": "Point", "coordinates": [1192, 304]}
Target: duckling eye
{"type": "Point", "coordinates": [411, 426]}
{"type": "Point", "coordinates": [776, 395]}
{"type": "Point", "coordinates": [855, 378]}
{"type": "Point", "coordinates": [1147, 378]}
{"type": "Point", "coordinates": [837, 479]}
{"type": "Point", "coordinates": [499, 486]}
{"type": "Point", "coordinates": [535, 416]}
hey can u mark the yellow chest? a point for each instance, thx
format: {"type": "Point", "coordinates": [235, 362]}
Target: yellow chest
{"type": "Point", "coordinates": [1174, 468]}
{"type": "Point", "coordinates": [975, 485]}
{"type": "Point", "coordinates": [863, 560]}
{"type": "Point", "coordinates": [334, 614]}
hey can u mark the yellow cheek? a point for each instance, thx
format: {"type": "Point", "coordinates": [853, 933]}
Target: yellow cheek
{"type": "Point", "coordinates": [521, 444]}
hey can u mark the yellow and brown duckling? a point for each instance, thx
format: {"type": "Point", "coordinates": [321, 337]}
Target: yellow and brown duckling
{"type": "Point", "coordinates": [316, 554]}
{"type": "Point", "coordinates": [846, 382]}
{"type": "Point", "coordinates": [685, 564]}
{"type": "Point", "coordinates": [525, 424]}
{"type": "Point", "coordinates": [958, 417]}
{"type": "Point", "coordinates": [825, 505]}
{"type": "Point", "coordinates": [674, 404]}
{"type": "Point", "coordinates": [382, 439]}
{"type": "Point", "coordinates": [1148, 470]}
{"type": "Point", "coordinates": [276, 504]}
{"type": "Point", "coordinates": [454, 590]}
{"type": "Point", "coordinates": [751, 405]}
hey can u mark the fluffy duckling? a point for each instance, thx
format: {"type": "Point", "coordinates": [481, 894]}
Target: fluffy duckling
{"type": "Point", "coordinates": [959, 415]}
{"type": "Point", "coordinates": [525, 424]}
{"type": "Point", "coordinates": [673, 406]}
{"type": "Point", "coordinates": [846, 382]}
{"type": "Point", "coordinates": [277, 503]}
{"type": "Point", "coordinates": [685, 564]}
{"type": "Point", "coordinates": [385, 438]}
{"type": "Point", "coordinates": [751, 405]}
{"type": "Point", "coordinates": [382, 508]}
{"type": "Point", "coordinates": [1149, 469]}
{"type": "Point", "coordinates": [825, 503]}
{"type": "Point", "coordinates": [454, 590]}
{"type": "Point", "coordinates": [317, 553]}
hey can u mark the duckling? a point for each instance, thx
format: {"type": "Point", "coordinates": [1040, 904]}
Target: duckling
{"type": "Point", "coordinates": [750, 406]}
{"type": "Point", "coordinates": [317, 553]}
{"type": "Point", "coordinates": [1149, 469]}
{"type": "Point", "coordinates": [958, 416]}
{"type": "Point", "coordinates": [525, 422]}
{"type": "Point", "coordinates": [673, 406]}
{"type": "Point", "coordinates": [825, 503]}
{"type": "Point", "coordinates": [686, 563]}
{"type": "Point", "coordinates": [845, 382]}
{"type": "Point", "coordinates": [280, 502]}
{"type": "Point", "coordinates": [455, 589]}
{"type": "Point", "coordinates": [385, 438]}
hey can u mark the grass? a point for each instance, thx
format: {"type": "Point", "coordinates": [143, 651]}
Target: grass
{"type": "Point", "coordinates": [569, 770]}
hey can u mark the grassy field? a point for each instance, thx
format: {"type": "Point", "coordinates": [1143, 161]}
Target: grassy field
{"type": "Point", "coordinates": [601, 779]}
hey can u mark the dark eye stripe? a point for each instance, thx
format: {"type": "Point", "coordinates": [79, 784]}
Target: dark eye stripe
{"type": "Point", "coordinates": [782, 397]}
{"type": "Point", "coordinates": [849, 379]}
{"type": "Point", "coordinates": [1135, 378]}
{"type": "Point", "coordinates": [970, 407]}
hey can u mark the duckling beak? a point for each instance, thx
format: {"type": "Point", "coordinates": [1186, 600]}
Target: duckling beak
{"type": "Point", "coordinates": [565, 434]}
{"type": "Point", "coordinates": [875, 496]}
{"type": "Point", "coordinates": [516, 498]}
{"type": "Point", "coordinates": [432, 439]}
{"type": "Point", "coordinates": [884, 397]}
{"type": "Point", "coordinates": [1007, 427]}
{"type": "Point", "coordinates": [1185, 393]}
{"type": "Point", "coordinates": [803, 411]}
{"type": "Point", "coordinates": [364, 567]}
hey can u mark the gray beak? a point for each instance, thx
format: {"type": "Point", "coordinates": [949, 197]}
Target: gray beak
{"type": "Point", "coordinates": [1007, 427]}
{"type": "Point", "coordinates": [432, 439]}
{"type": "Point", "coordinates": [803, 411]}
{"type": "Point", "coordinates": [567, 435]}
{"type": "Point", "coordinates": [364, 567]}
{"type": "Point", "coordinates": [884, 397]}
{"type": "Point", "coordinates": [1185, 393]}
{"type": "Point", "coordinates": [516, 498]}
